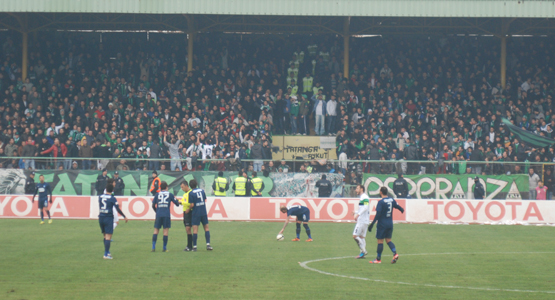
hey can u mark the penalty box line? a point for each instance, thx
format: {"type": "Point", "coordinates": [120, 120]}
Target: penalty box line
{"type": "Point", "coordinates": [304, 265]}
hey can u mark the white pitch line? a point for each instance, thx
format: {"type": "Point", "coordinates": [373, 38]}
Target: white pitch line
{"type": "Point", "coordinates": [305, 266]}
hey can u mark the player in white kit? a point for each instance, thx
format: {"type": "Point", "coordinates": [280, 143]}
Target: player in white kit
{"type": "Point", "coordinates": [362, 217]}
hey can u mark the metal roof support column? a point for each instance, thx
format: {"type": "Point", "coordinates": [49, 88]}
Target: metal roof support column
{"type": "Point", "coordinates": [25, 56]}
{"type": "Point", "coordinates": [346, 49]}
{"type": "Point", "coordinates": [505, 23]}
{"type": "Point", "coordinates": [503, 61]}
{"type": "Point", "coordinates": [190, 42]}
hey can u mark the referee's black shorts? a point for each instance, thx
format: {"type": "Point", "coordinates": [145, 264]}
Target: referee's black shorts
{"type": "Point", "coordinates": [188, 219]}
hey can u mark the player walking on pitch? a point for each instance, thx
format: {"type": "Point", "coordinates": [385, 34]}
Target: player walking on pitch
{"type": "Point", "coordinates": [303, 216]}
{"type": "Point", "coordinates": [106, 203]}
{"type": "Point", "coordinates": [384, 212]}
{"type": "Point", "coordinates": [43, 189]}
{"type": "Point", "coordinates": [161, 205]}
{"type": "Point", "coordinates": [197, 200]}
{"type": "Point", "coordinates": [362, 217]}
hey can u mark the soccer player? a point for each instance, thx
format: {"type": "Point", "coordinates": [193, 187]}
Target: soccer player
{"type": "Point", "coordinates": [187, 214]}
{"type": "Point", "coordinates": [303, 216]}
{"type": "Point", "coordinates": [384, 212]}
{"type": "Point", "coordinates": [161, 205]}
{"type": "Point", "coordinates": [197, 200]}
{"type": "Point", "coordinates": [43, 189]}
{"type": "Point", "coordinates": [362, 217]}
{"type": "Point", "coordinates": [106, 203]}
{"type": "Point", "coordinates": [112, 181]}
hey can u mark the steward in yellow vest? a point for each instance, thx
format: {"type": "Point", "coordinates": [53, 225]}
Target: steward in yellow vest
{"type": "Point", "coordinates": [241, 186]}
{"type": "Point", "coordinates": [220, 185]}
{"type": "Point", "coordinates": [257, 185]}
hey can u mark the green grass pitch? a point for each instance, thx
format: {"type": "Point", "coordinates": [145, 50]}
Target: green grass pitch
{"type": "Point", "coordinates": [64, 261]}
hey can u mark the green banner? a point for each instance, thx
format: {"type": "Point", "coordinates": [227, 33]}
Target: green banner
{"type": "Point", "coordinates": [137, 183]}
{"type": "Point", "coordinates": [453, 186]}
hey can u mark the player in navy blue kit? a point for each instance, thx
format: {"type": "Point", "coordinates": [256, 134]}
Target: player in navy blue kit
{"type": "Point", "coordinates": [197, 200]}
{"type": "Point", "coordinates": [43, 189]}
{"type": "Point", "coordinates": [106, 203]}
{"type": "Point", "coordinates": [303, 216]}
{"type": "Point", "coordinates": [161, 205]}
{"type": "Point", "coordinates": [384, 213]}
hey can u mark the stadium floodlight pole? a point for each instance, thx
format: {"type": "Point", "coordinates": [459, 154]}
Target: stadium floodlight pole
{"type": "Point", "coordinates": [346, 36]}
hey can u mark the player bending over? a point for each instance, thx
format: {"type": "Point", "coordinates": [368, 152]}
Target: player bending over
{"type": "Point", "coordinates": [362, 217]}
{"type": "Point", "coordinates": [197, 200]}
{"type": "Point", "coordinates": [107, 202]}
{"type": "Point", "coordinates": [303, 216]}
{"type": "Point", "coordinates": [384, 212]}
{"type": "Point", "coordinates": [187, 214]}
{"type": "Point", "coordinates": [161, 205]}
{"type": "Point", "coordinates": [43, 189]}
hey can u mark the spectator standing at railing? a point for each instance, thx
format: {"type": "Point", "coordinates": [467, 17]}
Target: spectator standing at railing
{"type": "Point", "coordinates": [154, 154]}
{"type": "Point", "coordinates": [29, 150]}
{"type": "Point", "coordinates": [72, 152]}
{"type": "Point", "coordinates": [257, 153]}
{"type": "Point", "coordinates": [174, 152]}
{"type": "Point", "coordinates": [541, 191]}
{"type": "Point", "coordinates": [549, 182]}
{"type": "Point", "coordinates": [533, 180]}
{"type": "Point", "coordinates": [85, 151]}
{"type": "Point", "coordinates": [319, 111]}
{"type": "Point", "coordinates": [58, 151]}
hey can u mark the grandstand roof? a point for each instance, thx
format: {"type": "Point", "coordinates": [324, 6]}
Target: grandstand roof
{"type": "Point", "coordinates": [363, 8]}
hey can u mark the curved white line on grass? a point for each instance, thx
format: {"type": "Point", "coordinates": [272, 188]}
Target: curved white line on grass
{"type": "Point", "coordinates": [304, 265]}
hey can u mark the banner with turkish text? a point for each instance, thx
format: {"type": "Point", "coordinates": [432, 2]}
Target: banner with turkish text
{"type": "Point", "coordinates": [513, 187]}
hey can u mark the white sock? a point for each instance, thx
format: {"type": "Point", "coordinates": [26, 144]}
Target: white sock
{"type": "Point", "coordinates": [359, 243]}
{"type": "Point", "coordinates": [115, 225]}
{"type": "Point", "coordinates": [363, 244]}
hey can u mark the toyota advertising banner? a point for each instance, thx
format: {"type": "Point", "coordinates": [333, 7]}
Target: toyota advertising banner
{"type": "Point", "coordinates": [444, 211]}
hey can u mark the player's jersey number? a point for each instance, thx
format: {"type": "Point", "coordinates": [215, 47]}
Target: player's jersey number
{"type": "Point", "coordinates": [199, 195]}
{"type": "Point", "coordinates": [163, 198]}
{"type": "Point", "coordinates": [389, 209]}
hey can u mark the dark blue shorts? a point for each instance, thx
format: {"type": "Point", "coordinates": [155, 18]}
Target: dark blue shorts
{"type": "Point", "coordinates": [384, 233]}
{"type": "Point", "coordinates": [106, 225]}
{"type": "Point", "coordinates": [160, 222]}
{"type": "Point", "coordinates": [199, 219]}
{"type": "Point", "coordinates": [304, 217]}
{"type": "Point", "coordinates": [188, 219]}
{"type": "Point", "coordinates": [43, 203]}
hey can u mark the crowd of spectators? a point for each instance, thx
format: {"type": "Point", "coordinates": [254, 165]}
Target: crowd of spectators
{"type": "Point", "coordinates": [126, 99]}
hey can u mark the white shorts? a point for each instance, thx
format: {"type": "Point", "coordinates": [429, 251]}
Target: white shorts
{"type": "Point", "coordinates": [360, 229]}
{"type": "Point", "coordinates": [116, 215]}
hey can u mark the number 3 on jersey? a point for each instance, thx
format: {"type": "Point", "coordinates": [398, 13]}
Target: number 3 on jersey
{"type": "Point", "coordinates": [389, 209]}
